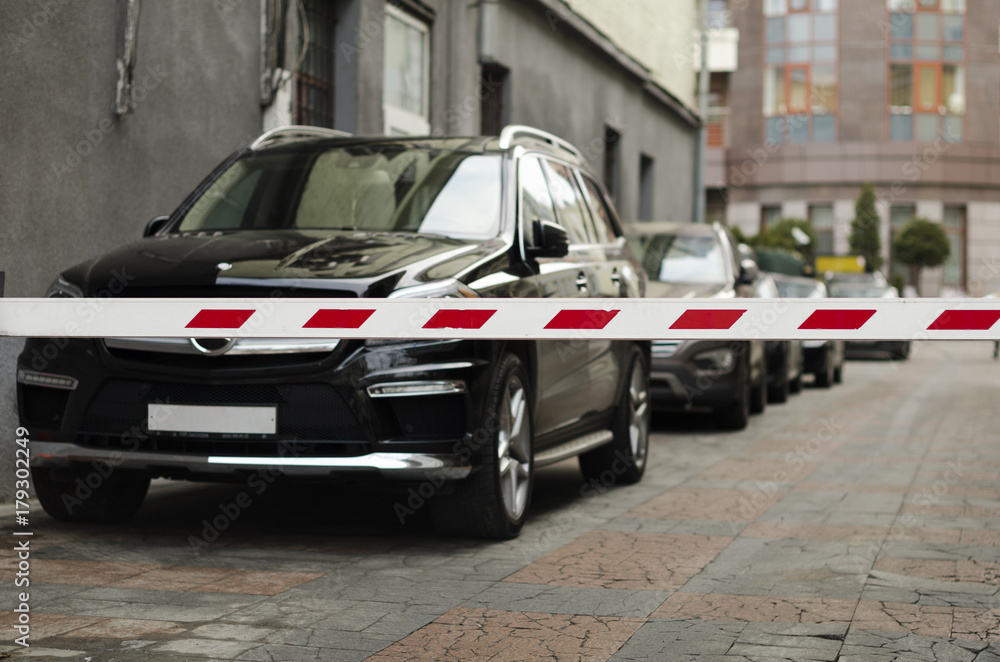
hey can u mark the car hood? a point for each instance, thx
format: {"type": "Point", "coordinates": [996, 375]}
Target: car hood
{"type": "Point", "coordinates": [362, 263]}
{"type": "Point", "coordinates": [663, 290]}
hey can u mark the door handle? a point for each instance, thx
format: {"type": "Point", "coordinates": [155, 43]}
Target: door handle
{"type": "Point", "coordinates": [581, 282]}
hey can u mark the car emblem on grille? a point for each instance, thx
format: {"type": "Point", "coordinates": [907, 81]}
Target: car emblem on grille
{"type": "Point", "coordinates": [212, 346]}
{"type": "Point", "coordinates": [224, 266]}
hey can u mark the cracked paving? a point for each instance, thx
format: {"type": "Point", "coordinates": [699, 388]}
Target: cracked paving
{"type": "Point", "coordinates": [877, 542]}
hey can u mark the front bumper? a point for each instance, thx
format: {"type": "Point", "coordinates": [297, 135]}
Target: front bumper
{"type": "Point", "coordinates": [397, 466]}
{"type": "Point", "coordinates": [393, 411]}
{"type": "Point", "coordinates": [675, 381]}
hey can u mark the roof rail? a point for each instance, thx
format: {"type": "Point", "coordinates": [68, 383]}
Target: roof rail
{"type": "Point", "coordinates": [509, 133]}
{"type": "Point", "coordinates": [292, 131]}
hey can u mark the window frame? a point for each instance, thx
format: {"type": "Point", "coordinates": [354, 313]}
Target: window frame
{"type": "Point", "coordinates": [394, 118]}
{"type": "Point", "coordinates": [788, 114]}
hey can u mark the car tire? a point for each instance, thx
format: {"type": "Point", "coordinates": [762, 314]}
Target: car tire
{"type": "Point", "coordinates": [82, 493]}
{"type": "Point", "coordinates": [826, 376]}
{"type": "Point", "coordinates": [736, 415]}
{"type": "Point", "coordinates": [493, 501]}
{"type": "Point", "coordinates": [902, 352]}
{"type": "Point", "coordinates": [778, 393]}
{"type": "Point", "coordinates": [631, 432]}
{"type": "Point", "coordinates": [758, 395]}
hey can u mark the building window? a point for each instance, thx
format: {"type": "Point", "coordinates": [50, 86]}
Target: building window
{"type": "Point", "coordinates": [647, 185]}
{"type": "Point", "coordinates": [406, 84]}
{"type": "Point", "coordinates": [800, 70]}
{"type": "Point", "coordinates": [612, 161]}
{"type": "Point", "coordinates": [899, 216]}
{"type": "Point", "coordinates": [769, 217]}
{"type": "Point", "coordinates": [954, 227]}
{"type": "Point", "coordinates": [926, 69]}
{"type": "Point", "coordinates": [821, 218]}
{"type": "Point", "coordinates": [493, 95]}
{"type": "Point", "coordinates": [314, 82]}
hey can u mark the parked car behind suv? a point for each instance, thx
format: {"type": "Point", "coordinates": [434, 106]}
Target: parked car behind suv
{"type": "Point", "coordinates": [868, 286]}
{"type": "Point", "coordinates": [824, 359]}
{"type": "Point", "coordinates": [726, 378]}
{"type": "Point", "coordinates": [307, 213]}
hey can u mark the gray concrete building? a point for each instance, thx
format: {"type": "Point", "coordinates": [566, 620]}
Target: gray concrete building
{"type": "Point", "coordinates": [111, 112]}
{"type": "Point", "coordinates": [829, 94]}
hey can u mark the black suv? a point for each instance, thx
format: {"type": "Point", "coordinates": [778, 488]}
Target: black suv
{"type": "Point", "coordinates": [305, 212]}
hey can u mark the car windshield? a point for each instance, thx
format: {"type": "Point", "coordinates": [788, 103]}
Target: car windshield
{"type": "Point", "coordinates": [682, 259]}
{"type": "Point", "coordinates": [376, 188]}
{"type": "Point", "coordinates": [858, 290]}
{"type": "Point", "coordinates": [797, 290]}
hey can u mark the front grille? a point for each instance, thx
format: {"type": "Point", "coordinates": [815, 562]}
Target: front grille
{"type": "Point", "coordinates": [307, 412]}
{"type": "Point", "coordinates": [224, 362]}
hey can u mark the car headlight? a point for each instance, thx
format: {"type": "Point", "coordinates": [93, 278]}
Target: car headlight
{"type": "Point", "coordinates": [444, 289]}
{"type": "Point", "coordinates": [715, 361]}
{"type": "Point", "coordinates": [63, 289]}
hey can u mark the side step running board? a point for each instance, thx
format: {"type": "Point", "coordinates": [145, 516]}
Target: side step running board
{"type": "Point", "coordinates": [574, 447]}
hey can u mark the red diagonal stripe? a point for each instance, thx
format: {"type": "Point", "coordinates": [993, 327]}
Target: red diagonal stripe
{"type": "Point", "coordinates": [220, 319]}
{"type": "Point", "coordinates": [459, 319]}
{"type": "Point", "coordinates": [965, 320]}
{"type": "Point", "coordinates": [338, 319]}
{"type": "Point", "coordinates": [581, 319]}
{"type": "Point", "coordinates": [837, 320]}
{"type": "Point", "coordinates": [707, 319]}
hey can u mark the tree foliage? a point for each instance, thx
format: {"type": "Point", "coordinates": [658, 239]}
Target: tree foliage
{"type": "Point", "coordinates": [922, 243]}
{"type": "Point", "coordinates": [866, 236]}
{"type": "Point", "coordinates": [780, 236]}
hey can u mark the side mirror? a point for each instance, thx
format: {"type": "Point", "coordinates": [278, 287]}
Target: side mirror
{"type": "Point", "coordinates": [551, 240]}
{"type": "Point", "coordinates": [749, 272]}
{"type": "Point", "coordinates": [155, 226]}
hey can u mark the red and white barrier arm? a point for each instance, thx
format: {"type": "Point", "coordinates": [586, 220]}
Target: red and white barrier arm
{"type": "Point", "coordinates": [647, 319]}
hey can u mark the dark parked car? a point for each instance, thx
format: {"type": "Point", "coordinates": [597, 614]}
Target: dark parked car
{"type": "Point", "coordinates": [727, 378]}
{"type": "Point", "coordinates": [308, 213]}
{"type": "Point", "coordinates": [824, 359]}
{"type": "Point", "coordinates": [784, 357]}
{"type": "Point", "coordinates": [868, 286]}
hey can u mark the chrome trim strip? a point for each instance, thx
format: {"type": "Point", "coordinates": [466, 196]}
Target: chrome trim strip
{"type": "Point", "coordinates": [574, 447]}
{"type": "Point", "coordinates": [411, 389]}
{"type": "Point", "coordinates": [402, 466]}
{"type": "Point", "coordinates": [242, 347]}
{"type": "Point", "coordinates": [426, 367]}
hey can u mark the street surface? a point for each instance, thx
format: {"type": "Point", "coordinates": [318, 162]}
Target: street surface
{"type": "Point", "coordinates": [858, 523]}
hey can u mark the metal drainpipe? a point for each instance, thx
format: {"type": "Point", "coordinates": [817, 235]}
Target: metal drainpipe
{"type": "Point", "coordinates": [703, 82]}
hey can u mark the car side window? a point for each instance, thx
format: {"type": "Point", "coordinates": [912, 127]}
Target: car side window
{"type": "Point", "coordinates": [607, 231]}
{"type": "Point", "coordinates": [536, 201]}
{"type": "Point", "coordinates": [568, 204]}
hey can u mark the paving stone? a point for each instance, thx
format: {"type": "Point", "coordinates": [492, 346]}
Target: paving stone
{"type": "Point", "coordinates": [721, 607]}
{"type": "Point", "coordinates": [711, 504]}
{"type": "Point", "coordinates": [469, 633]}
{"type": "Point", "coordinates": [603, 559]}
{"type": "Point", "coordinates": [214, 648]}
{"type": "Point", "coordinates": [680, 640]}
{"type": "Point", "coordinates": [510, 596]}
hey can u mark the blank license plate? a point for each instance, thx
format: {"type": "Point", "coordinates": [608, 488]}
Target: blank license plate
{"type": "Point", "coordinates": [212, 419]}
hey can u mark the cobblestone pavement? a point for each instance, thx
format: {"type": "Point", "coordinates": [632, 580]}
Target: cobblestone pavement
{"type": "Point", "coordinates": [858, 523]}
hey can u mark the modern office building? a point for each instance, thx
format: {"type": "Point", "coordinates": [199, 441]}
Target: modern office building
{"type": "Point", "coordinates": [828, 94]}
